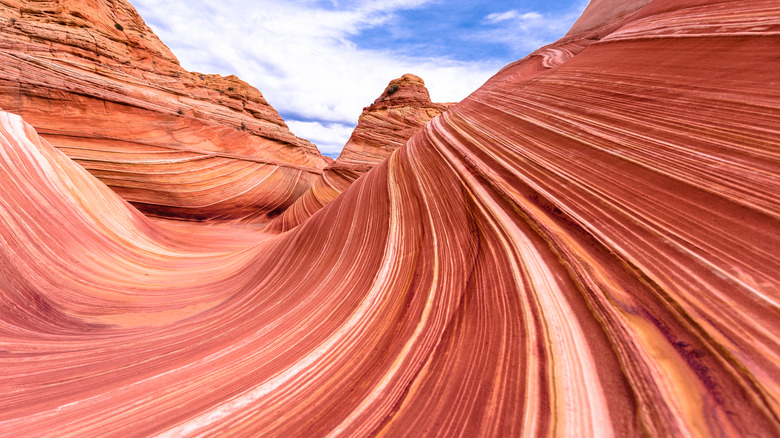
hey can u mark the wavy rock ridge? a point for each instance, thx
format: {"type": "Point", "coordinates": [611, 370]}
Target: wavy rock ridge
{"type": "Point", "coordinates": [586, 246]}
{"type": "Point", "coordinates": [98, 84]}
{"type": "Point", "coordinates": [398, 113]}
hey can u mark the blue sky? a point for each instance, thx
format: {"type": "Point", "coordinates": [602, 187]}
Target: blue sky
{"type": "Point", "coordinates": [319, 62]}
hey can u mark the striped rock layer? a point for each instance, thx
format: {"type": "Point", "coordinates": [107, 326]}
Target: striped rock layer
{"type": "Point", "coordinates": [97, 83]}
{"type": "Point", "coordinates": [403, 108]}
{"type": "Point", "coordinates": [586, 246]}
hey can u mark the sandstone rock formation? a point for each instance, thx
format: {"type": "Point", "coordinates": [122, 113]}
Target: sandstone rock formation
{"type": "Point", "coordinates": [403, 108]}
{"type": "Point", "coordinates": [98, 84]}
{"type": "Point", "coordinates": [586, 246]}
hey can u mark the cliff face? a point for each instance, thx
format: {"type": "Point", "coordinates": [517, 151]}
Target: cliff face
{"type": "Point", "coordinates": [586, 246]}
{"type": "Point", "coordinates": [402, 109]}
{"type": "Point", "coordinates": [98, 84]}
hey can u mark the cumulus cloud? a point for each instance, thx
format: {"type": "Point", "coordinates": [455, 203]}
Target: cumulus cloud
{"type": "Point", "coordinates": [303, 56]}
{"type": "Point", "coordinates": [327, 136]}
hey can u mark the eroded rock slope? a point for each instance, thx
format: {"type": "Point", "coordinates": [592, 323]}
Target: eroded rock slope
{"type": "Point", "coordinates": [97, 83]}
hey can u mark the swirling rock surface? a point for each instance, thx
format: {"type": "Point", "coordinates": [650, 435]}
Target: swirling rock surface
{"type": "Point", "coordinates": [586, 246]}
{"type": "Point", "coordinates": [97, 83]}
{"type": "Point", "coordinates": [398, 113]}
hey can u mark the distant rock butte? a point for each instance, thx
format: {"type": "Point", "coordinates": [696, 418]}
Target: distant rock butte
{"type": "Point", "coordinates": [98, 84]}
{"type": "Point", "coordinates": [403, 109]}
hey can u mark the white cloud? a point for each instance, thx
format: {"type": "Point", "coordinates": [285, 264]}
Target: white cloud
{"type": "Point", "coordinates": [513, 15]}
{"type": "Point", "coordinates": [299, 55]}
{"type": "Point", "coordinates": [524, 32]}
{"type": "Point", "coordinates": [322, 134]}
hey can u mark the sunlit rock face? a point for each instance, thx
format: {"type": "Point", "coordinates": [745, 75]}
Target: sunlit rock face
{"type": "Point", "coordinates": [586, 246]}
{"type": "Point", "coordinates": [402, 109]}
{"type": "Point", "coordinates": [97, 83]}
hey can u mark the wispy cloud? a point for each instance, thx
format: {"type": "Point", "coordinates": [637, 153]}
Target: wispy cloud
{"type": "Point", "coordinates": [514, 15]}
{"type": "Point", "coordinates": [524, 31]}
{"type": "Point", "coordinates": [306, 58]}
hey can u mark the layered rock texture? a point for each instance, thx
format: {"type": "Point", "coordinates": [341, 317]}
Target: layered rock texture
{"type": "Point", "coordinates": [403, 109]}
{"type": "Point", "coordinates": [97, 83]}
{"type": "Point", "coordinates": [586, 246]}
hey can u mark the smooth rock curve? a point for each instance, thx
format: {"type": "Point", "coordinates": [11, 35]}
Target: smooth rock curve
{"type": "Point", "coordinates": [586, 246]}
